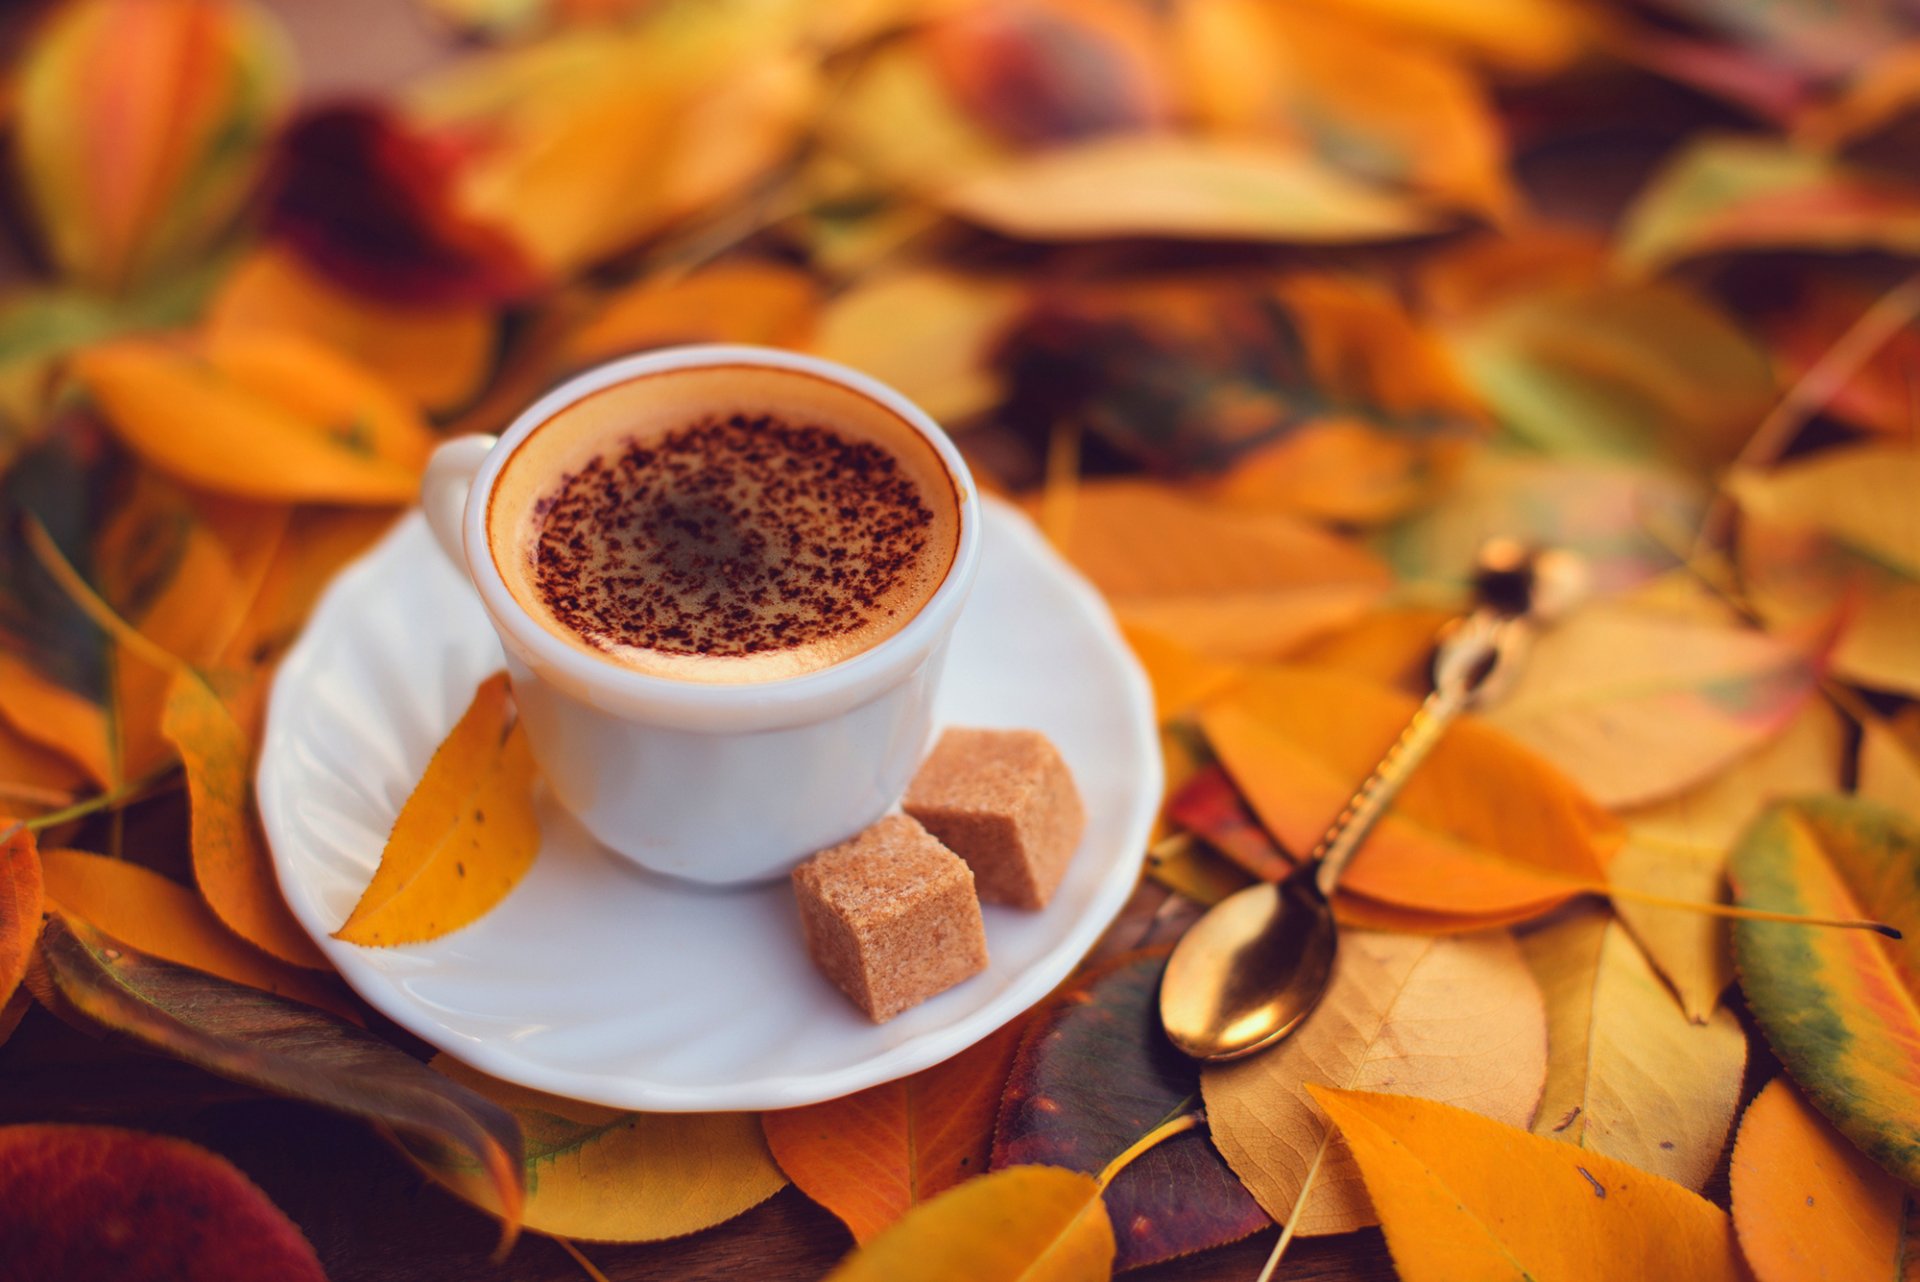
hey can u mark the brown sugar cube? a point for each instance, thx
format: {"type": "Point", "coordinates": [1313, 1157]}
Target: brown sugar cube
{"type": "Point", "coordinates": [890, 916]}
{"type": "Point", "coordinates": [1004, 801]}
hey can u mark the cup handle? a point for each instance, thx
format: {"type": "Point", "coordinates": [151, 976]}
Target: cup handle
{"type": "Point", "coordinates": [444, 490]}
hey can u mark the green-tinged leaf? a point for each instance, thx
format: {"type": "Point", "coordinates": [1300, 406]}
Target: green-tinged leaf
{"type": "Point", "coordinates": [97, 1202]}
{"type": "Point", "coordinates": [1463, 1197]}
{"type": "Point", "coordinates": [1725, 195]}
{"type": "Point", "coordinates": [608, 1176]}
{"type": "Point", "coordinates": [279, 1046]}
{"type": "Point", "coordinates": [1379, 1027]}
{"type": "Point", "coordinates": [1840, 1007]}
{"type": "Point", "coordinates": [1630, 1075]}
{"type": "Point", "coordinates": [872, 1156]}
{"type": "Point", "coordinates": [1023, 1224]}
{"type": "Point", "coordinates": [1094, 1074]}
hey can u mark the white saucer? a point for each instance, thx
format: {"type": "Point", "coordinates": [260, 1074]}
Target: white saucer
{"type": "Point", "coordinates": [597, 981]}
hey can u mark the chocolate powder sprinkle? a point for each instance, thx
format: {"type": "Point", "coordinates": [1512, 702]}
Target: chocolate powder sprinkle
{"type": "Point", "coordinates": [729, 537]}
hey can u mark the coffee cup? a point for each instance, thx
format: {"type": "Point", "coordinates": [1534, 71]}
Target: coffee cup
{"type": "Point", "coordinates": [720, 755]}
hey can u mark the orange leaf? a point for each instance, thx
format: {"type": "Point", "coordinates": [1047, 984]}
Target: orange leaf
{"type": "Point", "coordinates": [872, 1156]}
{"type": "Point", "coordinates": [32, 775]}
{"type": "Point", "coordinates": [1484, 828]}
{"type": "Point", "coordinates": [262, 416]}
{"type": "Point", "coordinates": [1464, 1197]}
{"type": "Point", "coordinates": [52, 716]}
{"type": "Point", "coordinates": [21, 896]}
{"type": "Point", "coordinates": [437, 356]}
{"type": "Point", "coordinates": [156, 915]}
{"type": "Point", "coordinates": [1180, 677]}
{"type": "Point", "coordinates": [1809, 1205]}
{"type": "Point", "coordinates": [741, 301]}
{"type": "Point", "coordinates": [464, 838]}
{"type": "Point", "coordinates": [229, 855]}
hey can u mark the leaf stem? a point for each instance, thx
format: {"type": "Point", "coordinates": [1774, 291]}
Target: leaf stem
{"type": "Point", "coordinates": [586, 1265]}
{"type": "Point", "coordinates": [1750, 914]}
{"type": "Point", "coordinates": [1288, 1229]}
{"type": "Point", "coordinates": [99, 801]}
{"type": "Point", "coordinates": [1062, 487]}
{"type": "Point", "coordinates": [90, 602]}
{"type": "Point", "coordinates": [1165, 1131]}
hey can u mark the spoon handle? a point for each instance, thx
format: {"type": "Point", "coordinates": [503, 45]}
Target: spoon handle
{"type": "Point", "coordinates": [1465, 663]}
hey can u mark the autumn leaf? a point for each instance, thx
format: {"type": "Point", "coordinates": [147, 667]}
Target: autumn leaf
{"type": "Point", "coordinates": [280, 1046]}
{"type": "Point", "coordinates": [1093, 1075]}
{"type": "Point", "coordinates": [1464, 1197]}
{"type": "Point", "coordinates": [872, 1156]}
{"type": "Point", "coordinates": [267, 416]}
{"type": "Point", "coordinates": [1678, 849]}
{"type": "Point", "coordinates": [21, 898]}
{"type": "Point", "coordinates": [1048, 1225]}
{"type": "Point", "coordinates": [1454, 1019]}
{"type": "Point", "coordinates": [1484, 827]}
{"type": "Point", "coordinates": [603, 1175]}
{"type": "Point", "coordinates": [33, 777]}
{"type": "Point", "coordinates": [1209, 806]}
{"type": "Point", "coordinates": [1723, 194]}
{"type": "Point", "coordinates": [1529, 37]}
{"type": "Point", "coordinates": [230, 861]}
{"type": "Point", "coordinates": [737, 301]}
{"type": "Point", "coordinates": [1181, 677]}
{"type": "Point", "coordinates": [1630, 1075]}
{"type": "Point", "coordinates": [930, 334]}
{"type": "Point", "coordinates": [437, 356]}
{"type": "Point", "coordinates": [1230, 584]}
{"type": "Point", "coordinates": [463, 839]}
{"type": "Point", "coordinates": [1838, 1006]}
{"type": "Point", "coordinates": [141, 129]}
{"type": "Point", "coordinates": [147, 911]}
{"type": "Point", "coordinates": [1824, 42]}
{"type": "Point", "coordinates": [1181, 188]}
{"type": "Point", "coordinates": [1890, 763]}
{"type": "Point", "coordinates": [1875, 397]}
{"type": "Point", "coordinates": [1807, 1204]}
{"type": "Point", "coordinates": [101, 1202]}
{"type": "Point", "coordinates": [1389, 647]}
{"type": "Point", "coordinates": [1637, 704]}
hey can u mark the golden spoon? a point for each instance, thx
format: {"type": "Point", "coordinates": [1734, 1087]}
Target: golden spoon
{"type": "Point", "coordinates": [1247, 973]}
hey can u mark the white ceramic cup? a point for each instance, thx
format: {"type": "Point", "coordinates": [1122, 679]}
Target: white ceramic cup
{"type": "Point", "coordinates": [713, 783]}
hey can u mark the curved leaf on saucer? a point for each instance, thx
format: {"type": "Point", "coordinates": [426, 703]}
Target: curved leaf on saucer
{"type": "Point", "coordinates": [1093, 1074]}
{"type": "Point", "coordinates": [1456, 1019]}
{"type": "Point", "coordinates": [1807, 1204]}
{"type": "Point", "coordinates": [603, 1175]}
{"type": "Point", "coordinates": [141, 908]}
{"type": "Point", "coordinates": [230, 861]}
{"type": "Point", "coordinates": [1630, 1075]}
{"type": "Point", "coordinates": [281, 1046]}
{"type": "Point", "coordinates": [1483, 828]}
{"type": "Point", "coordinates": [1840, 1007]}
{"type": "Point", "coordinates": [99, 1202]}
{"type": "Point", "coordinates": [463, 839]}
{"type": "Point", "coordinates": [22, 894]}
{"type": "Point", "coordinates": [1022, 1224]}
{"type": "Point", "coordinates": [872, 1156]}
{"type": "Point", "coordinates": [1464, 1197]}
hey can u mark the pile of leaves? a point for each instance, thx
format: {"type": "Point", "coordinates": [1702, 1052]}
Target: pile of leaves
{"type": "Point", "coordinates": [1270, 313]}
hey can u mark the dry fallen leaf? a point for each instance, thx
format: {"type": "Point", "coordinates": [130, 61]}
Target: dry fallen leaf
{"type": "Point", "coordinates": [929, 334]}
{"type": "Point", "coordinates": [872, 1156]}
{"type": "Point", "coordinates": [1630, 1075]}
{"type": "Point", "coordinates": [1809, 1206]}
{"type": "Point", "coordinates": [742, 300]}
{"type": "Point", "coordinates": [1464, 1197]}
{"type": "Point", "coordinates": [1452, 1019]}
{"type": "Point", "coordinates": [21, 898]}
{"type": "Point", "coordinates": [230, 862]}
{"type": "Point", "coordinates": [52, 716]}
{"type": "Point", "coordinates": [1048, 1225]}
{"type": "Point", "coordinates": [463, 839]}
{"type": "Point", "coordinates": [604, 1175]}
{"type": "Point", "coordinates": [1890, 764]}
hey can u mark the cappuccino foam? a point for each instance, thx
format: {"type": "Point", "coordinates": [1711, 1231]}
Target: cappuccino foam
{"type": "Point", "coordinates": [729, 524]}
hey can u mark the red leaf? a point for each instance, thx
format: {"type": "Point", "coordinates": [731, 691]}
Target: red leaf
{"type": "Point", "coordinates": [97, 1202]}
{"type": "Point", "coordinates": [1211, 808]}
{"type": "Point", "coordinates": [371, 205]}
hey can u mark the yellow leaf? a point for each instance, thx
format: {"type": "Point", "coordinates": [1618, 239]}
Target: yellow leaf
{"type": "Point", "coordinates": [608, 1176]}
{"type": "Point", "coordinates": [260, 415]}
{"type": "Point", "coordinates": [1862, 496]}
{"type": "Point", "coordinates": [437, 356]}
{"type": "Point", "coordinates": [1678, 848]}
{"type": "Point", "coordinates": [1462, 1197]}
{"type": "Point", "coordinates": [147, 911]}
{"type": "Point", "coordinates": [1190, 188]}
{"type": "Point", "coordinates": [464, 838]}
{"type": "Point", "coordinates": [1022, 1224]}
{"type": "Point", "coordinates": [1890, 762]}
{"type": "Point", "coordinates": [1387, 647]}
{"type": "Point", "coordinates": [1809, 1206]}
{"type": "Point", "coordinates": [230, 860]}
{"type": "Point", "coordinates": [1630, 1075]}
{"type": "Point", "coordinates": [929, 333]}
{"type": "Point", "coordinates": [1455, 1019]}
{"type": "Point", "coordinates": [1483, 829]}
{"type": "Point", "coordinates": [1180, 677]}
{"type": "Point", "coordinates": [741, 301]}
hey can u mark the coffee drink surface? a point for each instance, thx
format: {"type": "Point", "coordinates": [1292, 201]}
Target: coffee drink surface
{"type": "Point", "coordinates": [724, 525]}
